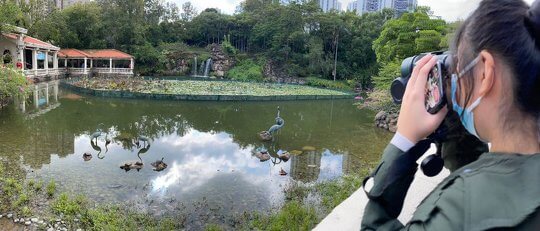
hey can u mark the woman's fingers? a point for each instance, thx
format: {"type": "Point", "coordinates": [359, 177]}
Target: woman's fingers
{"type": "Point", "coordinates": [419, 64]}
{"type": "Point", "coordinates": [421, 79]}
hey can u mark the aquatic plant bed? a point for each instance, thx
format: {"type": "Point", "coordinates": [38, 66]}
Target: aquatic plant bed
{"type": "Point", "coordinates": [199, 90]}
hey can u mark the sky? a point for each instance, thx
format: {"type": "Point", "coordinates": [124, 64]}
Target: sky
{"type": "Point", "coordinates": [449, 10]}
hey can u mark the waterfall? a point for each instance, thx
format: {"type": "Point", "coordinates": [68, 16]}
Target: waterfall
{"type": "Point", "coordinates": [201, 69]}
{"type": "Point", "coordinates": [207, 68]}
{"type": "Point", "coordinates": [195, 66]}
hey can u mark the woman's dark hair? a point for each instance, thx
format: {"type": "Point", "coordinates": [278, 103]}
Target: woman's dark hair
{"type": "Point", "coordinates": [510, 30]}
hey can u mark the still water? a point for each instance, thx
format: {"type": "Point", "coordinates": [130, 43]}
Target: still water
{"type": "Point", "coordinates": [208, 147]}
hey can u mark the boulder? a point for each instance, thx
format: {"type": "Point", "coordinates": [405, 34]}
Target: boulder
{"type": "Point", "coordinates": [381, 115]}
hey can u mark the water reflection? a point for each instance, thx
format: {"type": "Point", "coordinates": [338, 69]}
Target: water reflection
{"type": "Point", "coordinates": [208, 147]}
{"type": "Point", "coordinates": [40, 98]}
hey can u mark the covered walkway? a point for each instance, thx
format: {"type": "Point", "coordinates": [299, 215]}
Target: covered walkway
{"type": "Point", "coordinates": [105, 61]}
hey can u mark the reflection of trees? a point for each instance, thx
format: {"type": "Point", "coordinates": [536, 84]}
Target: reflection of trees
{"type": "Point", "coordinates": [306, 167]}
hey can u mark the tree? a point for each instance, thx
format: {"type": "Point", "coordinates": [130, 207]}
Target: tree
{"type": "Point", "coordinates": [208, 27]}
{"type": "Point", "coordinates": [10, 15]}
{"type": "Point", "coordinates": [408, 35]}
{"type": "Point", "coordinates": [189, 12]}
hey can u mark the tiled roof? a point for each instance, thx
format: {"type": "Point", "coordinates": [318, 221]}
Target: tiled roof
{"type": "Point", "coordinates": [108, 53]}
{"type": "Point", "coordinates": [95, 54]}
{"type": "Point", "coordinates": [33, 42]}
{"type": "Point", "coordinates": [72, 53]}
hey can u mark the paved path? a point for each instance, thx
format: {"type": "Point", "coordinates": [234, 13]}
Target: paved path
{"type": "Point", "coordinates": [348, 214]}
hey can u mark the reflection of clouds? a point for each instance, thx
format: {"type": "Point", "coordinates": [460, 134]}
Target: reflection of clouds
{"type": "Point", "coordinates": [201, 164]}
{"type": "Point", "coordinates": [204, 155]}
{"type": "Point", "coordinates": [331, 165]}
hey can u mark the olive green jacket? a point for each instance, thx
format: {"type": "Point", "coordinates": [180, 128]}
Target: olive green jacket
{"type": "Point", "coordinates": [496, 192]}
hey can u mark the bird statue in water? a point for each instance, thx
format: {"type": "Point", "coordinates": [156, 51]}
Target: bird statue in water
{"type": "Point", "coordinates": [268, 135]}
{"type": "Point", "coordinates": [95, 135]}
{"type": "Point", "coordinates": [142, 139]}
{"type": "Point", "coordinates": [99, 132]}
{"type": "Point", "coordinates": [138, 165]}
{"type": "Point", "coordinates": [97, 148]}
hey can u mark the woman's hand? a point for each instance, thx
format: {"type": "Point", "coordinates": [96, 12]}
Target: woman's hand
{"type": "Point", "coordinates": [414, 122]}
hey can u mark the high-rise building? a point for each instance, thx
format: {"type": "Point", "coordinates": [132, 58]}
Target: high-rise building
{"type": "Point", "coordinates": [328, 5]}
{"type": "Point", "coordinates": [399, 6]}
{"type": "Point", "coordinates": [402, 6]}
{"type": "Point", "coordinates": [68, 3]}
{"type": "Point", "coordinates": [352, 6]}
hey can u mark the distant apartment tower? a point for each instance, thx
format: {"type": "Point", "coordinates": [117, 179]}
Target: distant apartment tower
{"type": "Point", "coordinates": [68, 3]}
{"type": "Point", "coordinates": [328, 5]}
{"type": "Point", "coordinates": [399, 6]}
{"type": "Point", "coordinates": [352, 6]}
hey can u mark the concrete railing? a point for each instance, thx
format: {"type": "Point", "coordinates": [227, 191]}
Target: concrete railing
{"type": "Point", "coordinates": [112, 70]}
{"type": "Point", "coordinates": [44, 72]}
{"type": "Point", "coordinates": [76, 70]}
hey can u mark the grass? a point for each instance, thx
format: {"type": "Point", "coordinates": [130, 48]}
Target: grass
{"type": "Point", "coordinates": [326, 83]}
{"type": "Point", "coordinates": [293, 216]}
{"type": "Point", "coordinates": [51, 188]}
{"type": "Point", "coordinates": [297, 213]}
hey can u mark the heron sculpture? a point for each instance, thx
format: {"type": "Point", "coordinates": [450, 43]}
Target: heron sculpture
{"type": "Point", "coordinates": [268, 135]}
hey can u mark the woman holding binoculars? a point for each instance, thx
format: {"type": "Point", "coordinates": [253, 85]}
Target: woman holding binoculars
{"type": "Point", "coordinates": [495, 90]}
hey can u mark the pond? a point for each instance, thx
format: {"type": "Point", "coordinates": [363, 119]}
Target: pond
{"type": "Point", "coordinates": [208, 147]}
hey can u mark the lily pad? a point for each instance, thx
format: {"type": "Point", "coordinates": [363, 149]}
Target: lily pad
{"type": "Point", "coordinates": [309, 148]}
{"type": "Point", "coordinates": [296, 152]}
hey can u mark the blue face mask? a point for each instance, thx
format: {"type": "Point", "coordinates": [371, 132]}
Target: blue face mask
{"type": "Point", "coordinates": [467, 114]}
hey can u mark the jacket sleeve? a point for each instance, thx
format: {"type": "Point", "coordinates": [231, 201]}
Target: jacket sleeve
{"type": "Point", "coordinates": [387, 195]}
{"type": "Point", "coordinates": [438, 212]}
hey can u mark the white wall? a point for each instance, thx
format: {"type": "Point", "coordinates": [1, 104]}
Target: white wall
{"type": "Point", "coordinates": [8, 44]}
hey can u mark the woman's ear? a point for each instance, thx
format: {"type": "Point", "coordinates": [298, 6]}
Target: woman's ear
{"type": "Point", "coordinates": [487, 80]}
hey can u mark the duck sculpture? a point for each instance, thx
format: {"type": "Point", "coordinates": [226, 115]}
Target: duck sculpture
{"type": "Point", "coordinates": [132, 165]}
{"type": "Point", "coordinates": [262, 155]}
{"type": "Point", "coordinates": [87, 156]}
{"type": "Point", "coordinates": [159, 165]}
{"type": "Point", "coordinates": [138, 165]}
{"type": "Point", "coordinates": [284, 155]}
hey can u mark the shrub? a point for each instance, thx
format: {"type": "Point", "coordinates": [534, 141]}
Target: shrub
{"type": "Point", "coordinates": [325, 83]}
{"type": "Point", "coordinates": [227, 46]}
{"type": "Point", "coordinates": [246, 70]}
{"type": "Point", "coordinates": [387, 73]}
{"type": "Point", "coordinates": [13, 83]}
